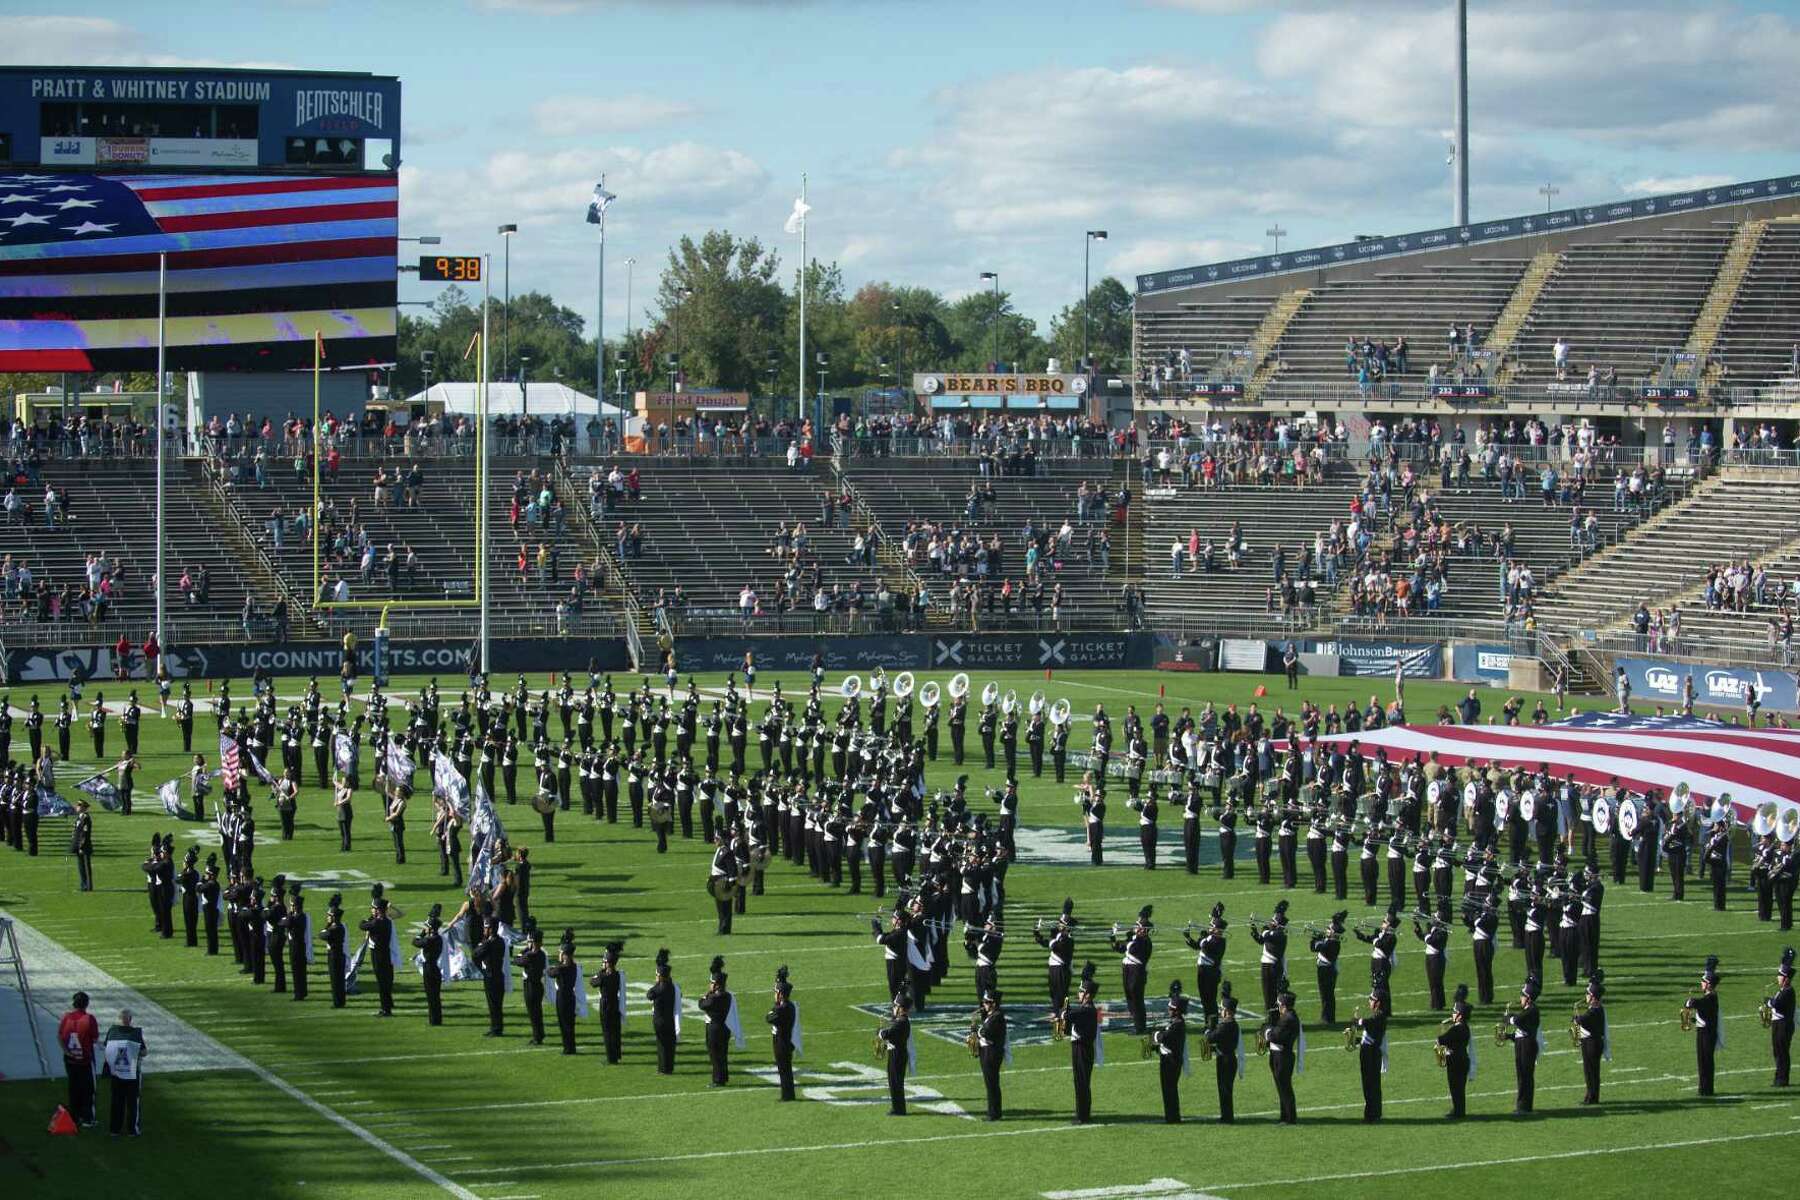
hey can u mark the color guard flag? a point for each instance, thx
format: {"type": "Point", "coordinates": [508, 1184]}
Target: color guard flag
{"type": "Point", "coordinates": [797, 219]}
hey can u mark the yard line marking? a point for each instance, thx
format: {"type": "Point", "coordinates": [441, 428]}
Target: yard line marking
{"type": "Point", "coordinates": [1129, 1191]}
{"type": "Point", "coordinates": [762, 1150]}
{"type": "Point", "coordinates": [435, 1146]}
{"type": "Point", "coordinates": [1496, 1162]}
{"type": "Point", "coordinates": [456, 1158]}
{"type": "Point", "coordinates": [61, 971]}
{"type": "Point", "coordinates": [1778, 1104]}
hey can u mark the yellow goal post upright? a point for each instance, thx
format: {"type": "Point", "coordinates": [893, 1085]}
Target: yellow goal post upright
{"type": "Point", "coordinates": [479, 598]}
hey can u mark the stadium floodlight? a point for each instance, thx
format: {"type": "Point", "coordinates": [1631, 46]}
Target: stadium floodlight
{"type": "Point", "coordinates": [506, 232]}
{"type": "Point", "coordinates": [429, 239]}
{"type": "Point", "coordinates": [1087, 246]}
{"type": "Point", "coordinates": [994, 277]}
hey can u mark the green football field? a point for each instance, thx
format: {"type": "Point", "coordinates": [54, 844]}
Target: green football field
{"type": "Point", "coordinates": [305, 1101]}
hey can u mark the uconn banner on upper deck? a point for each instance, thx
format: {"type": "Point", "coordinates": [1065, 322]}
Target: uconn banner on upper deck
{"type": "Point", "coordinates": [1468, 235]}
{"type": "Point", "coordinates": [1658, 681]}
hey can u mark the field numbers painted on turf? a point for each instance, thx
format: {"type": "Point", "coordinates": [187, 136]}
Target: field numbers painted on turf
{"type": "Point", "coordinates": [1155, 1189]}
{"type": "Point", "coordinates": [858, 1085]}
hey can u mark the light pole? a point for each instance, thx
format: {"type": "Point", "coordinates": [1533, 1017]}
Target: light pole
{"type": "Point", "coordinates": [1549, 192]}
{"type": "Point", "coordinates": [506, 232]}
{"type": "Point", "coordinates": [994, 276]}
{"type": "Point", "coordinates": [1087, 246]}
{"type": "Point", "coordinates": [629, 264]}
{"type": "Point", "coordinates": [681, 295]}
{"type": "Point", "coordinates": [597, 215]}
{"type": "Point", "coordinates": [823, 361]}
{"type": "Point", "coordinates": [1276, 232]}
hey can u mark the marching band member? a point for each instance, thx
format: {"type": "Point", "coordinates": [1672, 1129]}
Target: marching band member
{"type": "Point", "coordinates": [1287, 1047]}
{"type": "Point", "coordinates": [1209, 962]}
{"type": "Point", "coordinates": [722, 1029]}
{"type": "Point", "coordinates": [430, 942]}
{"type": "Point", "coordinates": [1709, 1033]}
{"type": "Point", "coordinates": [664, 996]}
{"type": "Point", "coordinates": [1273, 960]}
{"type": "Point", "coordinates": [1060, 943]}
{"type": "Point", "coordinates": [896, 1037]}
{"type": "Point", "coordinates": [784, 1031]}
{"type": "Point", "coordinates": [992, 1049]}
{"type": "Point", "coordinates": [1781, 1017]}
{"type": "Point", "coordinates": [1226, 1038]}
{"type": "Point", "coordinates": [1171, 1047]}
{"type": "Point", "coordinates": [1372, 1053]}
{"type": "Point", "coordinates": [1526, 1035]}
{"type": "Point", "coordinates": [1082, 1020]}
{"type": "Point", "coordinates": [1325, 945]}
{"type": "Point", "coordinates": [1437, 958]}
{"type": "Point", "coordinates": [1134, 966]}
{"type": "Point", "coordinates": [1458, 1052]}
{"type": "Point", "coordinates": [1595, 1039]}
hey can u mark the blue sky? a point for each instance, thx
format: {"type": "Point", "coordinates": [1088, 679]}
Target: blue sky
{"type": "Point", "coordinates": [944, 139]}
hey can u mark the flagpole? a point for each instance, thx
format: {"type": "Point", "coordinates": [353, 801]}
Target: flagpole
{"type": "Point", "coordinates": [162, 351]}
{"type": "Point", "coordinates": [801, 400]}
{"type": "Point", "coordinates": [318, 448]}
{"type": "Point", "coordinates": [600, 324]}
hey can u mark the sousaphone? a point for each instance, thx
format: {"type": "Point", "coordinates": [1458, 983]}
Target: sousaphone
{"type": "Point", "coordinates": [1763, 824]}
{"type": "Point", "coordinates": [1060, 712]}
{"type": "Point", "coordinates": [928, 694]}
{"type": "Point", "coordinates": [903, 685]}
{"type": "Point", "coordinates": [851, 688]}
{"type": "Point", "coordinates": [959, 685]}
{"type": "Point", "coordinates": [990, 694]}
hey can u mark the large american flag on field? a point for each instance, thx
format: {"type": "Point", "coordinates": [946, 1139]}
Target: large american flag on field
{"type": "Point", "coordinates": [231, 766]}
{"type": "Point", "coordinates": [257, 264]}
{"type": "Point", "coordinates": [1753, 766]}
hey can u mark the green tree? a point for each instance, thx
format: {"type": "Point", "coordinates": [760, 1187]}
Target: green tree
{"type": "Point", "coordinates": [722, 308]}
{"type": "Point", "coordinates": [971, 324]}
{"type": "Point", "coordinates": [1109, 328]}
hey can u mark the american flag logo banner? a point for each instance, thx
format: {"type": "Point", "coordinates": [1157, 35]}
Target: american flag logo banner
{"type": "Point", "coordinates": [1753, 766]}
{"type": "Point", "coordinates": [259, 267]}
{"type": "Point", "coordinates": [230, 765]}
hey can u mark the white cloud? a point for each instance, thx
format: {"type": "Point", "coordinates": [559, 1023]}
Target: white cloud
{"type": "Point", "coordinates": [1657, 185]}
{"type": "Point", "coordinates": [559, 8]}
{"type": "Point", "coordinates": [606, 116]}
{"type": "Point", "coordinates": [95, 41]}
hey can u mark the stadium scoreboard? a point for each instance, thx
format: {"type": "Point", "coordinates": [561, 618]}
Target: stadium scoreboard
{"type": "Point", "coordinates": [183, 119]}
{"type": "Point", "coordinates": [450, 268]}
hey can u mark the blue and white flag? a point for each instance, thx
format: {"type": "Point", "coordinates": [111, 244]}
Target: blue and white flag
{"type": "Point", "coordinates": [399, 762]}
{"type": "Point", "coordinates": [102, 790]}
{"type": "Point", "coordinates": [343, 752]}
{"type": "Point", "coordinates": [448, 785]}
{"type": "Point", "coordinates": [485, 835]}
{"type": "Point", "coordinates": [598, 205]}
{"type": "Point", "coordinates": [52, 805]}
{"type": "Point", "coordinates": [169, 794]}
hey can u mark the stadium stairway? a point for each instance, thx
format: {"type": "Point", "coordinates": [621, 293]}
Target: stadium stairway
{"type": "Point", "coordinates": [1735, 515]}
{"type": "Point", "coordinates": [1419, 305]}
{"type": "Point", "coordinates": [1271, 516]}
{"type": "Point", "coordinates": [904, 492]}
{"type": "Point", "coordinates": [1212, 332]}
{"type": "Point", "coordinates": [708, 527]}
{"type": "Point", "coordinates": [1618, 304]}
{"type": "Point", "coordinates": [1260, 365]}
{"type": "Point", "coordinates": [1727, 633]}
{"type": "Point", "coordinates": [1733, 269]}
{"type": "Point", "coordinates": [1757, 336]}
{"type": "Point", "coordinates": [1518, 308]}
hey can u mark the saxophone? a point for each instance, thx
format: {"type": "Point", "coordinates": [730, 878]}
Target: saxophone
{"type": "Point", "coordinates": [881, 1046]}
{"type": "Point", "coordinates": [1503, 1027]}
{"type": "Point", "coordinates": [1575, 1025]}
{"type": "Point", "coordinates": [973, 1040]}
{"type": "Point", "coordinates": [1685, 1014]}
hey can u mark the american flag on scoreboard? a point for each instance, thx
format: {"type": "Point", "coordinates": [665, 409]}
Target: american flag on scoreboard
{"type": "Point", "coordinates": [230, 765]}
{"type": "Point", "coordinates": [256, 265]}
{"type": "Point", "coordinates": [1754, 765]}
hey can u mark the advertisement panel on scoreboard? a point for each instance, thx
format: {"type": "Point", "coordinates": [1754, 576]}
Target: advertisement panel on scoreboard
{"type": "Point", "coordinates": [258, 265]}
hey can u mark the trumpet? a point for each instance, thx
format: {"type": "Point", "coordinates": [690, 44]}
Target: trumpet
{"type": "Point", "coordinates": [1353, 1035]}
{"type": "Point", "coordinates": [1503, 1027]}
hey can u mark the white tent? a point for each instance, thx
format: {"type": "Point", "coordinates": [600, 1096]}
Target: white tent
{"type": "Point", "coordinates": [505, 399]}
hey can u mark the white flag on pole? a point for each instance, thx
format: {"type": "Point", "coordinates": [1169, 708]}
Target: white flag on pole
{"type": "Point", "coordinates": [797, 219]}
{"type": "Point", "coordinates": [597, 206]}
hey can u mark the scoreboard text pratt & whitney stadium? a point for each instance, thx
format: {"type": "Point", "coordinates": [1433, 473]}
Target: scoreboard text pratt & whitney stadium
{"type": "Point", "coordinates": [271, 195]}
{"type": "Point", "coordinates": [288, 120]}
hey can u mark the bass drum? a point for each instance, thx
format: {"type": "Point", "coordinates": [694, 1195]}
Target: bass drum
{"type": "Point", "coordinates": [1602, 815]}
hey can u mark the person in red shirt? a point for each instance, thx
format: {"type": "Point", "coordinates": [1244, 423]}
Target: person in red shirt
{"type": "Point", "coordinates": [77, 1033]}
{"type": "Point", "coordinates": [152, 652]}
{"type": "Point", "coordinates": [122, 658]}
